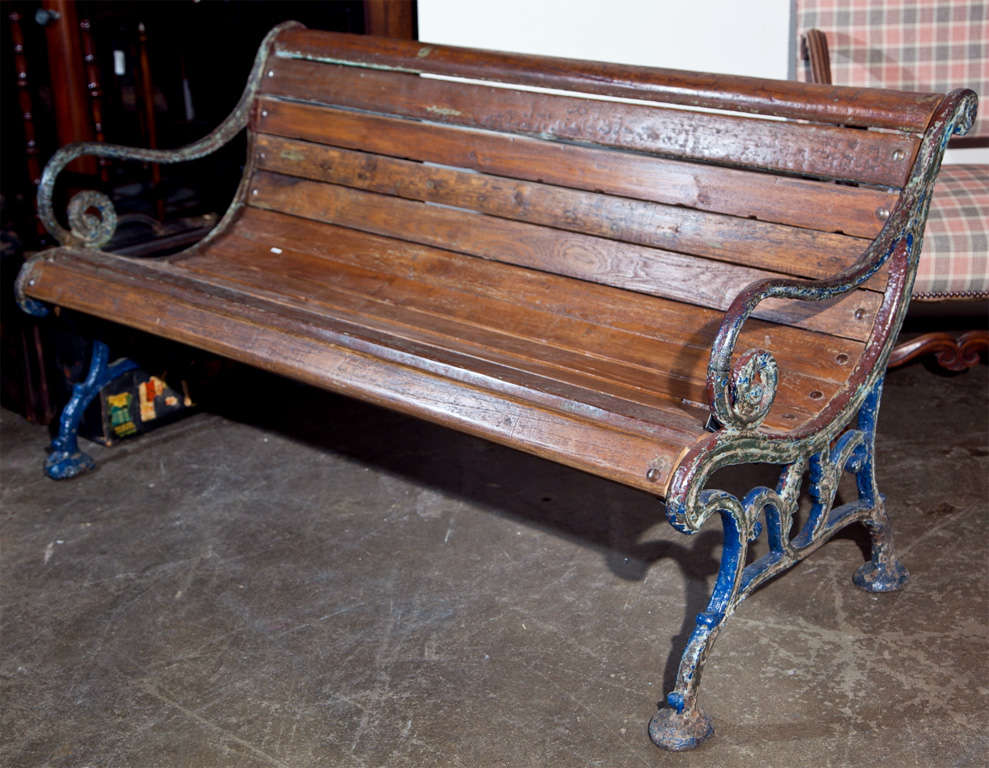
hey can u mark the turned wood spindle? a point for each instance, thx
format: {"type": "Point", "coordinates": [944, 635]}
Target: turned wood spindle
{"type": "Point", "coordinates": [93, 87]}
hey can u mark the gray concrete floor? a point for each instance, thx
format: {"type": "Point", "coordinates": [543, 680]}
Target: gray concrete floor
{"type": "Point", "coordinates": [321, 583]}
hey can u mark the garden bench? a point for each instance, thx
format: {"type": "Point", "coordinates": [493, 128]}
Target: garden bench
{"type": "Point", "coordinates": [653, 276]}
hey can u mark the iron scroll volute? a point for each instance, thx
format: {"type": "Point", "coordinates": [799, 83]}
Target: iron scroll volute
{"type": "Point", "coordinates": [750, 391]}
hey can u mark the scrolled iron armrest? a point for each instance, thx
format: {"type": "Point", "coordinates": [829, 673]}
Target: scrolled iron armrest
{"type": "Point", "coordinates": [741, 393]}
{"type": "Point", "coordinates": [93, 231]}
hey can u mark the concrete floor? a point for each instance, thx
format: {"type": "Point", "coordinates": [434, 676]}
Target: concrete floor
{"type": "Point", "coordinates": [321, 583]}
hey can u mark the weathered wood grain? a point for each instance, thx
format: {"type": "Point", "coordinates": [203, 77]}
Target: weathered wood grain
{"type": "Point", "coordinates": [296, 343]}
{"type": "Point", "coordinates": [525, 339]}
{"type": "Point", "coordinates": [803, 101]}
{"type": "Point", "coordinates": [796, 148]}
{"type": "Point", "coordinates": [725, 238]}
{"type": "Point", "coordinates": [806, 203]}
{"type": "Point", "coordinates": [632, 267]}
{"type": "Point", "coordinates": [683, 325]}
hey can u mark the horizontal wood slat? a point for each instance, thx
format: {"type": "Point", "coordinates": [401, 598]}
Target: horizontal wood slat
{"type": "Point", "coordinates": [632, 267]}
{"type": "Point", "coordinates": [648, 316]}
{"type": "Point", "coordinates": [152, 297]}
{"type": "Point", "coordinates": [530, 340]}
{"type": "Point", "coordinates": [852, 106]}
{"type": "Point", "coordinates": [789, 250]}
{"type": "Point", "coordinates": [796, 148]}
{"type": "Point", "coordinates": [800, 202]}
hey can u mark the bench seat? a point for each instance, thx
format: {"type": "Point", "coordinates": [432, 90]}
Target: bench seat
{"type": "Point", "coordinates": [601, 383]}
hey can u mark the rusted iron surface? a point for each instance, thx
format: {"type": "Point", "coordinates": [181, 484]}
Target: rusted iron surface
{"type": "Point", "coordinates": [825, 447]}
{"type": "Point", "coordinates": [87, 230]}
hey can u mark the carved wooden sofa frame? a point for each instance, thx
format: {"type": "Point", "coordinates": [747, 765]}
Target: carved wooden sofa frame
{"type": "Point", "coordinates": [647, 293]}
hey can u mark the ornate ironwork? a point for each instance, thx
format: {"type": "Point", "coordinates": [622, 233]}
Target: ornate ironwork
{"type": "Point", "coordinates": [91, 231]}
{"type": "Point", "coordinates": [823, 449]}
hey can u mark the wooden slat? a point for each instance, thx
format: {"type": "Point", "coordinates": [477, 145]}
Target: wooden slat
{"type": "Point", "coordinates": [789, 250]}
{"type": "Point", "coordinates": [150, 296]}
{"type": "Point", "coordinates": [804, 203]}
{"type": "Point", "coordinates": [574, 352]}
{"type": "Point", "coordinates": [648, 316]}
{"type": "Point", "coordinates": [795, 148]}
{"type": "Point", "coordinates": [632, 267]}
{"type": "Point", "coordinates": [851, 106]}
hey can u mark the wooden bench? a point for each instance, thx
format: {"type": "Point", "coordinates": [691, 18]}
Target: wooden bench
{"type": "Point", "coordinates": [645, 292]}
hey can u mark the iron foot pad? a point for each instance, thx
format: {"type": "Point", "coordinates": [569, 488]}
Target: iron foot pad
{"type": "Point", "coordinates": [677, 732]}
{"type": "Point", "coordinates": [873, 577]}
{"type": "Point", "coordinates": [61, 465]}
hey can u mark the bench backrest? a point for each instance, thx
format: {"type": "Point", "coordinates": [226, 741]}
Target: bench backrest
{"type": "Point", "coordinates": [703, 185]}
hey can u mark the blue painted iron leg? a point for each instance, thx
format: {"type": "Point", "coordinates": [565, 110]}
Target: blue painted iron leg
{"type": "Point", "coordinates": [883, 573]}
{"type": "Point", "coordinates": [683, 725]}
{"type": "Point", "coordinates": [65, 459]}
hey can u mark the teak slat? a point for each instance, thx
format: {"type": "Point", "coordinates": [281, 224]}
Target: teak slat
{"type": "Point", "coordinates": [638, 268]}
{"type": "Point", "coordinates": [145, 296]}
{"type": "Point", "coordinates": [648, 316]}
{"type": "Point", "coordinates": [850, 106]}
{"type": "Point", "coordinates": [806, 203]}
{"type": "Point", "coordinates": [525, 338]}
{"type": "Point", "coordinates": [796, 148]}
{"type": "Point", "coordinates": [799, 252]}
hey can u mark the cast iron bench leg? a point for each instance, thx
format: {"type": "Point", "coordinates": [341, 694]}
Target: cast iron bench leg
{"type": "Point", "coordinates": [65, 459]}
{"type": "Point", "coordinates": [883, 572]}
{"type": "Point", "coordinates": [683, 725]}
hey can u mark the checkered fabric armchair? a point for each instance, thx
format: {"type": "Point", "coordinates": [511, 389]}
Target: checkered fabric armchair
{"type": "Point", "coordinates": [920, 45]}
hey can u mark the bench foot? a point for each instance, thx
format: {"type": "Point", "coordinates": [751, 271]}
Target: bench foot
{"type": "Point", "coordinates": [62, 465]}
{"type": "Point", "coordinates": [680, 731]}
{"type": "Point", "coordinates": [883, 573]}
{"type": "Point", "coordinates": [66, 460]}
{"type": "Point", "coordinates": [683, 725]}
{"type": "Point", "coordinates": [875, 578]}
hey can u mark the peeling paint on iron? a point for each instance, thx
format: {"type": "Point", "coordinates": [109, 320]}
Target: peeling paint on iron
{"type": "Point", "coordinates": [822, 449]}
{"type": "Point", "coordinates": [88, 231]}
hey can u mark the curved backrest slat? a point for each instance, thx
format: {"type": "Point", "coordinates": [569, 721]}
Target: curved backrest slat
{"type": "Point", "coordinates": [850, 106]}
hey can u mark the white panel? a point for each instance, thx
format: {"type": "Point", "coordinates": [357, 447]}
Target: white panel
{"type": "Point", "coordinates": [746, 37]}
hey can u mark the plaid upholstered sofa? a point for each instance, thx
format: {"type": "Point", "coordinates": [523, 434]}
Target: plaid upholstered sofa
{"type": "Point", "coordinates": [920, 45]}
